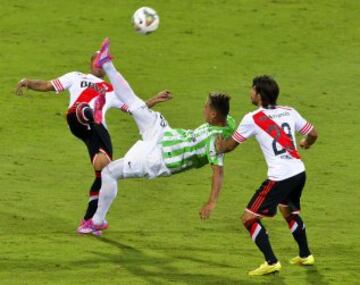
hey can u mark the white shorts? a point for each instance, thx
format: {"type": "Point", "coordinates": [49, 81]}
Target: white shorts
{"type": "Point", "coordinates": [144, 159]}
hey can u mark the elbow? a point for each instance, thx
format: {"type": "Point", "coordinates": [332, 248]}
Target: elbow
{"type": "Point", "coordinates": [232, 146]}
{"type": "Point", "coordinates": [48, 86]}
{"type": "Point", "coordinates": [313, 134]}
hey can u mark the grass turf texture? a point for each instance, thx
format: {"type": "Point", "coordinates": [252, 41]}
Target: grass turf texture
{"type": "Point", "coordinates": [156, 237]}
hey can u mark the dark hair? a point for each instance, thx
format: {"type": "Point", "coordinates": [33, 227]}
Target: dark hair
{"type": "Point", "coordinates": [220, 102]}
{"type": "Point", "coordinates": [267, 88]}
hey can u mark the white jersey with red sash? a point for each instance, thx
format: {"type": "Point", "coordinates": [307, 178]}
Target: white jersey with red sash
{"type": "Point", "coordinates": [84, 88]}
{"type": "Point", "coordinates": [274, 129]}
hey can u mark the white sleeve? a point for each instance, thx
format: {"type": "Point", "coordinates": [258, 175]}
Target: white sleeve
{"type": "Point", "coordinates": [301, 125]}
{"type": "Point", "coordinates": [64, 82]}
{"type": "Point", "coordinates": [245, 130]}
{"type": "Point", "coordinates": [115, 102]}
{"type": "Point", "coordinates": [214, 157]}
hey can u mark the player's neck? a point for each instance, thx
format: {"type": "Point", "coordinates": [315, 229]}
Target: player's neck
{"type": "Point", "coordinates": [219, 123]}
{"type": "Point", "coordinates": [268, 107]}
{"type": "Point", "coordinates": [98, 76]}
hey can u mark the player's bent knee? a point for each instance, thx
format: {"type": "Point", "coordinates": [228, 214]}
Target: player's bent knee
{"type": "Point", "coordinates": [246, 216]}
{"type": "Point", "coordinates": [109, 183]}
{"type": "Point", "coordinates": [285, 211]}
{"type": "Point", "coordinates": [101, 160]}
{"type": "Point", "coordinates": [84, 113]}
{"type": "Point", "coordinates": [105, 173]}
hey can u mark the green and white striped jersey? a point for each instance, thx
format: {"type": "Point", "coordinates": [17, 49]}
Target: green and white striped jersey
{"type": "Point", "coordinates": [186, 149]}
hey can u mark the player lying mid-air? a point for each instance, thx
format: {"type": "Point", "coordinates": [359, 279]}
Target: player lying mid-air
{"type": "Point", "coordinates": [88, 92]}
{"type": "Point", "coordinates": [163, 151]}
{"type": "Point", "coordinates": [274, 128]}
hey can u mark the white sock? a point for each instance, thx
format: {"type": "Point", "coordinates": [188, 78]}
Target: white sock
{"type": "Point", "coordinates": [107, 195]}
{"type": "Point", "coordinates": [121, 87]}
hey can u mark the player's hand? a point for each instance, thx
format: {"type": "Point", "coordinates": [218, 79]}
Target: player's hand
{"type": "Point", "coordinates": [19, 87]}
{"type": "Point", "coordinates": [218, 142]}
{"type": "Point", "coordinates": [163, 96]}
{"type": "Point", "coordinates": [206, 210]}
{"type": "Point", "coordinates": [304, 144]}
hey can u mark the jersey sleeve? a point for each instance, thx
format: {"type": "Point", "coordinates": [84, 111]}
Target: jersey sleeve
{"type": "Point", "coordinates": [301, 125]}
{"type": "Point", "coordinates": [115, 102]}
{"type": "Point", "coordinates": [63, 82]}
{"type": "Point", "coordinates": [245, 130]}
{"type": "Point", "coordinates": [213, 157]}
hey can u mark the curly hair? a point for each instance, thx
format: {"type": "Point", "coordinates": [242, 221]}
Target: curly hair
{"type": "Point", "coordinates": [220, 102]}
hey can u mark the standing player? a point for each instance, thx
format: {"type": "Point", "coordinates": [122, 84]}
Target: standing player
{"type": "Point", "coordinates": [163, 151]}
{"type": "Point", "coordinates": [274, 128]}
{"type": "Point", "coordinates": [90, 98]}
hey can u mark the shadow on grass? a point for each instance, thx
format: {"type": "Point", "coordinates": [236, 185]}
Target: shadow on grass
{"type": "Point", "coordinates": [184, 268]}
{"type": "Point", "coordinates": [160, 270]}
{"type": "Point", "coordinates": [313, 276]}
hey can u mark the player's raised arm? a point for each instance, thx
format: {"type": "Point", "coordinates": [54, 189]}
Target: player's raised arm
{"type": "Point", "coordinates": [225, 145]}
{"type": "Point", "coordinates": [310, 139]}
{"type": "Point", "coordinates": [36, 85]}
{"type": "Point", "coordinates": [217, 181]}
{"type": "Point", "coordinates": [244, 131]}
{"type": "Point", "coordinates": [162, 96]}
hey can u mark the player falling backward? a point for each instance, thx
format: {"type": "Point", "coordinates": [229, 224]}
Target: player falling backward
{"type": "Point", "coordinates": [163, 151]}
{"type": "Point", "coordinates": [274, 128]}
{"type": "Point", "coordinates": [89, 92]}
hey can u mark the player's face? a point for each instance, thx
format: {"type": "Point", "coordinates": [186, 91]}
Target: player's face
{"type": "Point", "coordinates": [209, 113]}
{"type": "Point", "coordinates": [254, 97]}
{"type": "Point", "coordinates": [98, 72]}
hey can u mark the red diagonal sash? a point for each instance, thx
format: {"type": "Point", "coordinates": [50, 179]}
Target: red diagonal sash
{"type": "Point", "coordinates": [91, 92]}
{"type": "Point", "coordinates": [276, 132]}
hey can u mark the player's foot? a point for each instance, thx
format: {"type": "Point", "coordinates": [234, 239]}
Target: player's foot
{"type": "Point", "coordinates": [88, 227]}
{"type": "Point", "coordinates": [81, 226]}
{"type": "Point", "coordinates": [82, 222]}
{"type": "Point", "coordinates": [265, 268]}
{"type": "Point", "coordinates": [103, 54]}
{"type": "Point", "coordinates": [309, 260]}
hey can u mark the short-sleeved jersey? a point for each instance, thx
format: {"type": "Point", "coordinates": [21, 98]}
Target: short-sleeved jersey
{"type": "Point", "coordinates": [186, 149]}
{"type": "Point", "coordinates": [83, 88]}
{"type": "Point", "coordinates": [281, 164]}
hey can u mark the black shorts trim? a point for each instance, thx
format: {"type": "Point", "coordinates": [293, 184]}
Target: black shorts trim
{"type": "Point", "coordinates": [272, 193]}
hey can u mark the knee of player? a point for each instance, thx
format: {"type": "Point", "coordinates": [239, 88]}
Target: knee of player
{"type": "Point", "coordinates": [285, 211]}
{"type": "Point", "coordinates": [244, 218]}
{"type": "Point", "coordinates": [100, 161]}
{"type": "Point", "coordinates": [247, 218]}
{"type": "Point", "coordinates": [110, 176]}
{"type": "Point", "coordinates": [106, 173]}
{"type": "Point", "coordinates": [84, 113]}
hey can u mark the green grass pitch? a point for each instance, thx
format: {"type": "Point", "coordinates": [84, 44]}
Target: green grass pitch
{"type": "Point", "coordinates": [156, 237]}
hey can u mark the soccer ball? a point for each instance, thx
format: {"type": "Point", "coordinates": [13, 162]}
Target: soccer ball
{"type": "Point", "coordinates": [145, 20]}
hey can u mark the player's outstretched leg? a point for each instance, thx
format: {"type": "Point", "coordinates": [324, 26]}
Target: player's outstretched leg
{"type": "Point", "coordinates": [145, 119]}
{"type": "Point", "coordinates": [297, 228]}
{"type": "Point", "coordinates": [121, 87]}
{"type": "Point", "coordinates": [108, 192]}
{"type": "Point", "coordinates": [260, 237]}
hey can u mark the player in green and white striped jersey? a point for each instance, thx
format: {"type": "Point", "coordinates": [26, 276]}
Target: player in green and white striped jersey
{"type": "Point", "coordinates": [186, 149]}
{"type": "Point", "coordinates": [162, 151]}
